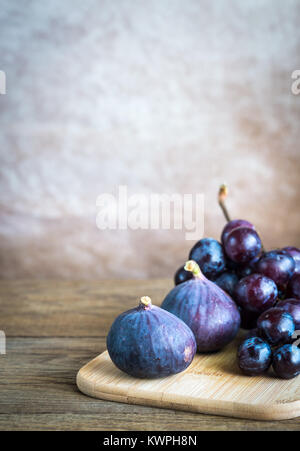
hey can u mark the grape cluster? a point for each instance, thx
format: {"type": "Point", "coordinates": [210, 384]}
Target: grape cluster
{"type": "Point", "coordinates": [266, 287]}
{"type": "Point", "coordinates": [271, 343]}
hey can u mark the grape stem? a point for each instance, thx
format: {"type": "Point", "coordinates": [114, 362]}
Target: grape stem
{"type": "Point", "coordinates": [223, 192]}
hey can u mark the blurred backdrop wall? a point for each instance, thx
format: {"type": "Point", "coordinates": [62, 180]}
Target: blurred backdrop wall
{"type": "Point", "coordinates": [162, 96]}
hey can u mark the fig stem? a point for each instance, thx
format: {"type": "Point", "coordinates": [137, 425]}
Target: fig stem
{"type": "Point", "coordinates": [193, 267]}
{"type": "Point", "coordinates": [146, 301]}
{"type": "Point", "coordinates": [223, 193]}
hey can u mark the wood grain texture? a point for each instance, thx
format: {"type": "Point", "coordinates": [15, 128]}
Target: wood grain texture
{"type": "Point", "coordinates": [38, 374]}
{"type": "Point", "coordinates": [212, 384]}
{"type": "Point", "coordinates": [71, 309]}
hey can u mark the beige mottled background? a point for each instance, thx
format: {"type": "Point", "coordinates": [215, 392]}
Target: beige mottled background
{"type": "Point", "coordinates": [161, 96]}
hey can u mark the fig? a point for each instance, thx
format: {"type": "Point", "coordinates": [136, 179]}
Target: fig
{"type": "Point", "coordinates": [149, 342]}
{"type": "Point", "coordinates": [210, 312]}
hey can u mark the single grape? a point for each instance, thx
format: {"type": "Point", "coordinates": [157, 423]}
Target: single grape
{"type": "Point", "coordinates": [181, 275]}
{"type": "Point", "coordinates": [254, 356]}
{"type": "Point", "coordinates": [235, 224]}
{"type": "Point", "coordinates": [227, 281]}
{"type": "Point", "coordinates": [209, 255]}
{"type": "Point", "coordinates": [242, 245]}
{"type": "Point", "coordinates": [255, 293]}
{"type": "Point", "coordinates": [276, 326]}
{"type": "Point", "coordinates": [286, 361]}
{"type": "Point", "coordinates": [293, 288]}
{"type": "Point", "coordinates": [292, 306]}
{"type": "Point", "coordinates": [294, 252]}
{"type": "Point", "coordinates": [248, 319]}
{"type": "Point", "coordinates": [278, 266]}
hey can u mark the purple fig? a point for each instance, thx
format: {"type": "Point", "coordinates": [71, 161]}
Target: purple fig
{"type": "Point", "coordinates": [206, 309]}
{"type": "Point", "coordinates": [149, 342]}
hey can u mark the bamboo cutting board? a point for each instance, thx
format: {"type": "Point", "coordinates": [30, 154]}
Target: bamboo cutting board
{"type": "Point", "coordinates": [212, 384]}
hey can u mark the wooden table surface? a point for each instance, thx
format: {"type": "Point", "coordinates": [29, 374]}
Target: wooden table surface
{"type": "Point", "coordinates": [52, 329]}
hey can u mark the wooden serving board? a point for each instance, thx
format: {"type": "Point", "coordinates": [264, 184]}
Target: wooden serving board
{"type": "Point", "coordinates": [212, 384]}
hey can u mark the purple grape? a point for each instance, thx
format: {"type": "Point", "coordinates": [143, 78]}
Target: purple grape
{"type": "Point", "coordinates": [286, 361]}
{"type": "Point", "coordinates": [278, 266]}
{"type": "Point", "coordinates": [276, 326]}
{"type": "Point", "coordinates": [294, 252]}
{"type": "Point", "coordinates": [182, 275]}
{"type": "Point", "coordinates": [242, 245]}
{"type": "Point", "coordinates": [292, 306]}
{"type": "Point", "coordinates": [209, 255]}
{"type": "Point", "coordinates": [254, 356]}
{"type": "Point", "coordinates": [235, 224]}
{"type": "Point", "coordinates": [227, 281]}
{"type": "Point", "coordinates": [255, 293]}
{"type": "Point", "coordinates": [293, 288]}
